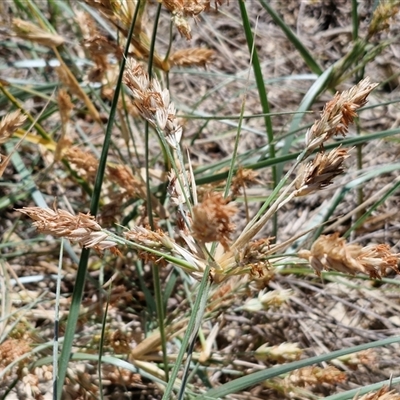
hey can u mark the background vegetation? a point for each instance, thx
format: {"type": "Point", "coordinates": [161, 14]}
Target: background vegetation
{"type": "Point", "coordinates": [246, 233]}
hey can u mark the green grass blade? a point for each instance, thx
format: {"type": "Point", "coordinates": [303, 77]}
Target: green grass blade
{"type": "Point", "coordinates": [253, 379]}
{"type": "Point", "coordinates": [262, 93]}
{"type": "Point", "coordinates": [192, 328]}
{"type": "Point", "coordinates": [351, 394]}
{"type": "Point", "coordinates": [354, 17]}
{"type": "Point", "coordinates": [83, 263]}
{"type": "Point", "coordinates": [355, 225]}
{"type": "Point", "coordinates": [155, 268]}
{"type": "Point", "coordinates": [297, 43]}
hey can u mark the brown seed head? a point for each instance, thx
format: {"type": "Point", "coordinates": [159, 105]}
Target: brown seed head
{"type": "Point", "coordinates": [191, 57]}
{"type": "Point", "coordinates": [320, 172]}
{"type": "Point", "coordinates": [282, 353]}
{"type": "Point", "coordinates": [312, 375]}
{"type": "Point", "coordinates": [338, 114]}
{"type": "Point", "coordinates": [81, 228]}
{"type": "Point", "coordinates": [175, 190]}
{"type": "Point", "coordinates": [180, 9]}
{"type": "Point", "coordinates": [382, 394]}
{"type": "Point", "coordinates": [10, 123]}
{"type": "Point", "coordinates": [153, 102]}
{"type": "Point", "coordinates": [119, 376]}
{"type": "Point", "coordinates": [381, 16]}
{"type": "Point", "coordinates": [11, 349]}
{"type": "Point", "coordinates": [211, 220]}
{"type": "Point", "coordinates": [330, 252]}
{"type": "Point", "coordinates": [123, 177]}
{"type": "Point", "coordinates": [65, 105]}
{"type": "Point", "coordinates": [28, 31]}
{"type": "Point", "coordinates": [84, 160]}
{"type": "Point", "coordinates": [242, 179]}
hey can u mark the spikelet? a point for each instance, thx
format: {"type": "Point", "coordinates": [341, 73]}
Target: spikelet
{"type": "Point", "coordinates": [319, 173]}
{"type": "Point", "coordinates": [180, 9]}
{"type": "Point", "coordinates": [81, 228]}
{"type": "Point", "coordinates": [266, 300]}
{"type": "Point", "coordinates": [330, 252]}
{"type": "Point", "coordinates": [191, 57]}
{"type": "Point", "coordinates": [282, 353]}
{"type": "Point", "coordinates": [28, 31]}
{"type": "Point", "coordinates": [212, 220]}
{"type": "Point", "coordinates": [338, 114]}
{"type": "Point", "coordinates": [384, 11]}
{"type": "Point", "coordinates": [313, 375]}
{"type": "Point", "coordinates": [10, 123]}
{"type": "Point", "coordinates": [382, 394]}
{"type": "Point", "coordinates": [153, 103]}
{"type": "Point", "coordinates": [84, 160]}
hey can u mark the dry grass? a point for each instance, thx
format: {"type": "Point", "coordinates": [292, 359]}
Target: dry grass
{"type": "Point", "coordinates": [170, 214]}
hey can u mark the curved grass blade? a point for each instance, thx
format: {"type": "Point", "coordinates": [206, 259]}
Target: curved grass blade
{"type": "Point", "coordinates": [83, 263]}
{"type": "Point", "coordinates": [365, 215]}
{"type": "Point", "coordinates": [192, 328]}
{"type": "Point", "coordinates": [253, 379]}
{"type": "Point", "coordinates": [262, 94]}
{"type": "Point", "coordinates": [308, 58]}
{"type": "Point", "coordinates": [351, 394]}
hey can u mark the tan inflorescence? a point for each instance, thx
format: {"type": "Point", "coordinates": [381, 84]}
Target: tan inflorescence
{"type": "Point", "coordinates": [330, 252]}
{"type": "Point", "coordinates": [320, 172]}
{"type": "Point", "coordinates": [212, 220]}
{"type": "Point", "coordinates": [81, 228]}
{"type": "Point", "coordinates": [10, 123]}
{"type": "Point", "coordinates": [153, 102]}
{"type": "Point", "coordinates": [338, 114]}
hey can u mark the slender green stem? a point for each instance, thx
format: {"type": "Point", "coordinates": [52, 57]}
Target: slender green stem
{"type": "Point", "coordinates": [354, 17]}
{"type": "Point", "coordinates": [83, 262]}
{"type": "Point", "coordinates": [192, 328]}
{"type": "Point", "coordinates": [308, 58]}
{"type": "Point", "coordinates": [262, 92]}
{"type": "Point", "coordinates": [155, 270]}
{"type": "Point", "coordinates": [244, 382]}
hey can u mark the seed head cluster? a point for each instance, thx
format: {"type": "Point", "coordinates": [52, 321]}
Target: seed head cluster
{"type": "Point", "coordinates": [81, 228]}
{"type": "Point", "coordinates": [330, 252]}
{"type": "Point", "coordinates": [153, 103]}
{"type": "Point", "coordinates": [338, 114]}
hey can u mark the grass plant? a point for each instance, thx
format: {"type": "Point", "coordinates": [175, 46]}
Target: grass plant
{"type": "Point", "coordinates": [188, 213]}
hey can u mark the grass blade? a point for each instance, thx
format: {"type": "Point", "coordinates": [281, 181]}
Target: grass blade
{"type": "Point", "coordinates": [250, 380]}
{"type": "Point", "coordinates": [83, 263]}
